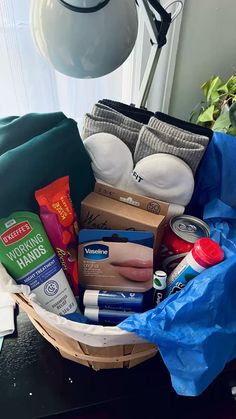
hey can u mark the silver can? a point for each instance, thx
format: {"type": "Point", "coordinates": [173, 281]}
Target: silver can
{"type": "Point", "coordinates": [181, 234]}
{"type": "Point", "coordinates": [189, 228]}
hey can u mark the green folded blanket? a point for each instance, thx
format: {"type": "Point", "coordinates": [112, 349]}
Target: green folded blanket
{"type": "Point", "coordinates": [35, 150]}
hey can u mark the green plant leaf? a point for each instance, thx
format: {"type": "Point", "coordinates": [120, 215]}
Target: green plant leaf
{"type": "Point", "coordinates": [213, 112]}
{"type": "Point", "coordinates": [210, 88]}
{"type": "Point", "coordinates": [206, 86]}
{"type": "Point", "coordinates": [223, 89]}
{"type": "Point", "coordinates": [222, 123]}
{"type": "Point", "coordinates": [215, 96]}
{"type": "Point", "coordinates": [197, 110]}
{"type": "Point", "coordinates": [231, 84]}
{"type": "Point", "coordinates": [232, 131]}
{"type": "Point", "coordinates": [207, 115]}
{"type": "Point", "coordinates": [217, 112]}
{"type": "Point", "coordinates": [232, 115]}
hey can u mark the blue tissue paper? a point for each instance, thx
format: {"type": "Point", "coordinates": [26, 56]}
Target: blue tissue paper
{"type": "Point", "coordinates": [195, 329]}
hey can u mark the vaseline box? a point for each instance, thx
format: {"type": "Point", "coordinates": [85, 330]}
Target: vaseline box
{"type": "Point", "coordinates": [100, 211]}
{"type": "Point", "coordinates": [116, 260]}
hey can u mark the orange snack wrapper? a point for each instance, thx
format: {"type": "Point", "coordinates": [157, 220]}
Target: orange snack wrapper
{"type": "Point", "coordinates": [59, 220]}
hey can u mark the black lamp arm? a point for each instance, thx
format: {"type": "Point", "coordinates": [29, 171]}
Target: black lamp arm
{"type": "Point", "coordinates": [164, 24]}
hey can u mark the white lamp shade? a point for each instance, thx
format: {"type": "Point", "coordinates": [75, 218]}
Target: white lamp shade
{"type": "Point", "coordinates": [84, 45]}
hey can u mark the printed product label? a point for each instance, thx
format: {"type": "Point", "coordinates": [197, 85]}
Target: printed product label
{"type": "Point", "coordinates": [28, 256]}
{"type": "Point", "coordinates": [18, 232]}
{"type": "Point", "coordinates": [181, 280]}
{"type": "Point", "coordinates": [24, 248]}
{"type": "Point", "coordinates": [96, 252]}
{"type": "Point", "coordinates": [41, 274]}
{"type": "Point", "coordinates": [169, 260]}
{"type": "Point", "coordinates": [158, 297]}
{"type": "Point", "coordinates": [110, 317]}
{"type": "Point", "coordinates": [59, 220]}
{"type": "Point", "coordinates": [117, 260]}
{"type": "Point", "coordinates": [120, 301]}
{"type": "Point", "coordinates": [154, 207]}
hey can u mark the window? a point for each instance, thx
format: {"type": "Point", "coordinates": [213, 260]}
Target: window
{"type": "Point", "coordinates": [29, 84]}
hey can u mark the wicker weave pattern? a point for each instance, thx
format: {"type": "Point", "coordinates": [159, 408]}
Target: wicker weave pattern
{"type": "Point", "coordinates": [119, 356]}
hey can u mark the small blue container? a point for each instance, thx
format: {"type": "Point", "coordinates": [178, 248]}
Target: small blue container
{"type": "Point", "coordinates": [114, 300]}
{"type": "Point", "coordinates": [106, 317]}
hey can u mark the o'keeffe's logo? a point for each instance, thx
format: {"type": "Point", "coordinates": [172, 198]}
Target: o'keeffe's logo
{"type": "Point", "coordinates": [96, 252]}
{"type": "Point", "coordinates": [16, 233]}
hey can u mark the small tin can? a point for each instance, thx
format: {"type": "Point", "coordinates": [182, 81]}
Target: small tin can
{"type": "Point", "coordinates": [181, 234]}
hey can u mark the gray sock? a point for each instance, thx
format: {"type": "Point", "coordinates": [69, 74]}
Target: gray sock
{"type": "Point", "coordinates": [94, 124]}
{"type": "Point", "coordinates": [110, 115]}
{"type": "Point", "coordinates": [176, 142]}
{"type": "Point", "coordinates": [177, 132]}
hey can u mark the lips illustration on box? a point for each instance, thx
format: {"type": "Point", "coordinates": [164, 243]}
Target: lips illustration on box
{"type": "Point", "coordinates": [135, 270]}
{"type": "Point", "coordinates": [116, 260]}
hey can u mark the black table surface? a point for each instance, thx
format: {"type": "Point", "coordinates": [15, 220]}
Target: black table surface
{"type": "Point", "coordinates": [36, 382]}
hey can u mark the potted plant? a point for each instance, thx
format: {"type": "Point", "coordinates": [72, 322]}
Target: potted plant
{"type": "Point", "coordinates": [218, 109]}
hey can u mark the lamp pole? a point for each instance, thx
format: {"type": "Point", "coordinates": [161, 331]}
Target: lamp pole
{"type": "Point", "coordinates": [157, 31]}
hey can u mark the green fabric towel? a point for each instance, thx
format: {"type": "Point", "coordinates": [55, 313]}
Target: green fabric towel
{"type": "Point", "coordinates": [35, 150]}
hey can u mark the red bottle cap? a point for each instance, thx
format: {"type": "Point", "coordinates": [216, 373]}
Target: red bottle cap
{"type": "Point", "coordinates": [207, 253]}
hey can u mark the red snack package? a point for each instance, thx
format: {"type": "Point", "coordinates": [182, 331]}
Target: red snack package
{"type": "Point", "coordinates": [59, 220]}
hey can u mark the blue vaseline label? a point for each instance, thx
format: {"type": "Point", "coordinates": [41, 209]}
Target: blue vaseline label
{"type": "Point", "coordinates": [181, 280]}
{"type": "Point", "coordinates": [96, 252]}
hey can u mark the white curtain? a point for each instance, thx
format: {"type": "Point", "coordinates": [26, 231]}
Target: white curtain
{"type": "Point", "coordinates": [29, 84]}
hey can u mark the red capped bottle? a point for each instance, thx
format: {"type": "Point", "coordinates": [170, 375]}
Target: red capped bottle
{"type": "Point", "coordinates": [205, 253]}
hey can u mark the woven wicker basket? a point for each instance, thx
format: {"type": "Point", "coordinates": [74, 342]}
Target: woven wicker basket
{"type": "Point", "coordinates": [119, 356]}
